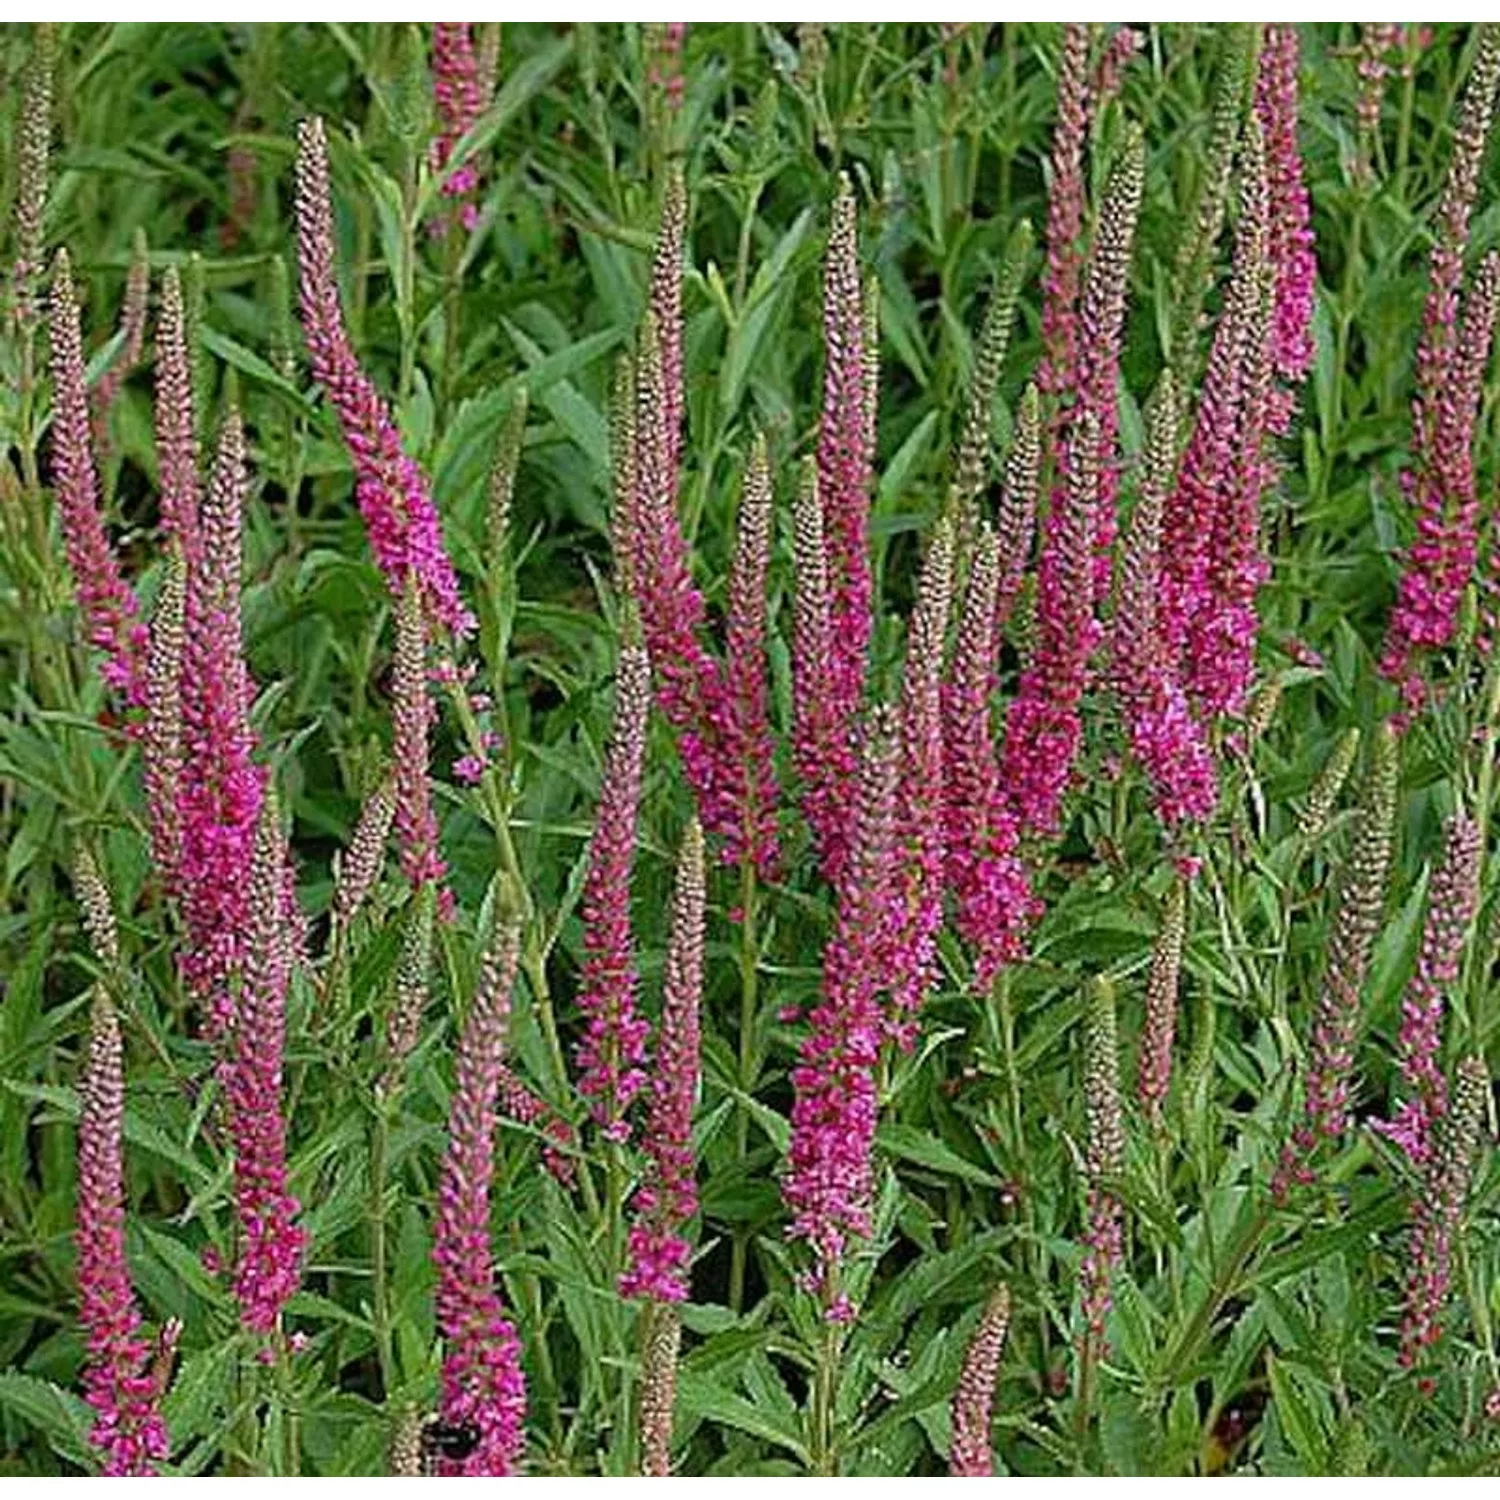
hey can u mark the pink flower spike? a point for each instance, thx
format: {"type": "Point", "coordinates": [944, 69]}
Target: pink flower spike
{"type": "Point", "coordinates": [829, 1179]}
{"type": "Point", "coordinates": [668, 1198]}
{"type": "Point", "coordinates": [128, 1429]}
{"type": "Point", "coordinates": [107, 603]}
{"type": "Point", "coordinates": [412, 715]}
{"type": "Point", "coordinates": [271, 1242]}
{"type": "Point", "coordinates": [400, 518]}
{"type": "Point", "coordinates": [176, 435]}
{"type": "Point", "coordinates": [613, 1048]}
{"type": "Point", "coordinates": [483, 1385]}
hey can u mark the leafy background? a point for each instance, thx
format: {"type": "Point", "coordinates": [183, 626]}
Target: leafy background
{"type": "Point", "coordinates": [1278, 1360]}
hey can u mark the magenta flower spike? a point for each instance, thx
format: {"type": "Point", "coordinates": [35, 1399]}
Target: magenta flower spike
{"type": "Point", "coordinates": [612, 1051]}
{"type": "Point", "coordinates": [1440, 485]}
{"type": "Point", "coordinates": [668, 1198]}
{"type": "Point", "coordinates": [991, 891]}
{"type": "Point", "coordinates": [411, 722]}
{"type": "Point", "coordinates": [483, 1384]}
{"type": "Point", "coordinates": [1066, 197]}
{"type": "Point", "coordinates": [829, 1179]}
{"type": "Point", "coordinates": [128, 1429]}
{"type": "Point", "coordinates": [751, 746]}
{"type": "Point", "coordinates": [845, 462]}
{"type": "Point", "coordinates": [970, 1455]}
{"type": "Point", "coordinates": [459, 99]}
{"type": "Point", "coordinates": [1452, 901]}
{"type": "Point", "coordinates": [400, 518]}
{"type": "Point", "coordinates": [1043, 731]}
{"type": "Point", "coordinates": [1165, 737]}
{"type": "Point", "coordinates": [107, 603]}
{"type": "Point", "coordinates": [823, 753]}
{"type": "Point", "coordinates": [1291, 237]}
{"type": "Point", "coordinates": [921, 831]}
{"type": "Point", "coordinates": [221, 787]}
{"type": "Point", "coordinates": [668, 258]}
{"type": "Point", "coordinates": [272, 1244]}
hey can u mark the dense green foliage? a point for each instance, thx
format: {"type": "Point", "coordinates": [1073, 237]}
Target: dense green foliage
{"type": "Point", "coordinates": [1244, 1336]}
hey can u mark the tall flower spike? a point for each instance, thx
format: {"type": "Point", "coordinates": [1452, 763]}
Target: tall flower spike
{"type": "Point", "coordinates": [128, 1429]}
{"type": "Point", "coordinates": [989, 883]}
{"type": "Point", "coordinates": [921, 834]}
{"type": "Point", "coordinates": [1165, 737]}
{"type": "Point", "coordinates": [1101, 323]}
{"type": "Point", "coordinates": [668, 1197]}
{"type": "Point", "coordinates": [823, 752]}
{"type": "Point", "coordinates": [1291, 238]}
{"type": "Point", "coordinates": [1043, 731]}
{"type": "Point", "coordinates": [667, 263]}
{"type": "Point", "coordinates": [176, 439]}
{"type": "Point", "coordinates": [663, 1338]}
{"type": "Point", "coordinates": [624, 521]}
{"type": "Point", "coordinates": [845, 457]}
{"type": "Point", "coordinates": [483, 1385]}
{"type": "Point", "coordinates": [1437, 1212]}
{"type": "Point", "coordinates": [412, 715]}
{"type": "Point", "coordinates": [1065, 206]}
{"type": "Point", "coordinates": [360, 866]}
{"type": "Point", "coordinates": [829, 1179]}
{"type": "Point", "coordinates": [220, 784]}
{"type": "Point", "coordinates": [750, 746]}
{"type": "Point", "coordinates": [518, 1103]}
{"type": "Point", "coordinates": [1452, 900]}
{"type": "Point", "coordinates": [459, 100]}
{"type": "Point", "coordinates": [1359, 907]}
{"type": "Point", "coordinates": [162, 743]}
{"type": "Point", "coordinates": [502, 484]}
{"type": "Point", "coordinates": [612, 1050]}
{"type": "Point", "coordinates": [1440, 485]}
{"type": "Point", "coordinates": [271, 1242]}
{"type": "Point", "coordinates": [32, 146]}
{"type": "Point", "coordinates": [972, 463]}
{"type": "Point", "coordinates": [106, 601]}
{"type": "Point", "coordinates": [970, 1455]}
{"type": "Point", "coordinates": [400, 518]}
{"type": "Point", "coordinates": [690, 687]}
{"type": "Point", "coordinates": [1155, 1074]}
{"type": "Point", "coordinates": [1104, 1158]}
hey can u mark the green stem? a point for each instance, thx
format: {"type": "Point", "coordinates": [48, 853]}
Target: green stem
{"type": "Point", "coordinates": [379, 1302]}
{"type": "Point", "coordinates": [825, 1389]}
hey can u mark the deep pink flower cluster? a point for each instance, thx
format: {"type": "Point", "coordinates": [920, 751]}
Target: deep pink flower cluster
{"type": "Point", "coordinates": [668, 1197]}
{"type": "Point", "coordinates": [1042, 728]}
{"type": "Point", "coordinates": [400, 518]}
{"type": "Point", "coordinates": [1211, 562]}
{"type": "Point", "coordinates": [118, 1381]}
{"type": "Point", "coordinates": [828, 1183]}
{"type": "Point", "coordinates": [460, 102]}
{"type": "Point", "coordinates": [272, 1244]}
{"type": "Point", "coordinates": [719, 712]}
{"type": "Point", "coordinates": [483, 1385]}
{"type": "Point", "coordinates": [1452, 900]}
{"type": "Point", "coordinates": [220, 785]}
{"type": "Point", "coordinates": [992, 894]}
{"type": "Point", "coordinates": [107, 602]}
{"type": "Point", "coordinates": [1440, 485]}
{"type": "Point", "coordinates": [612, 1051]}
{"type": "Point", "coordinates": [1290, 232]}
